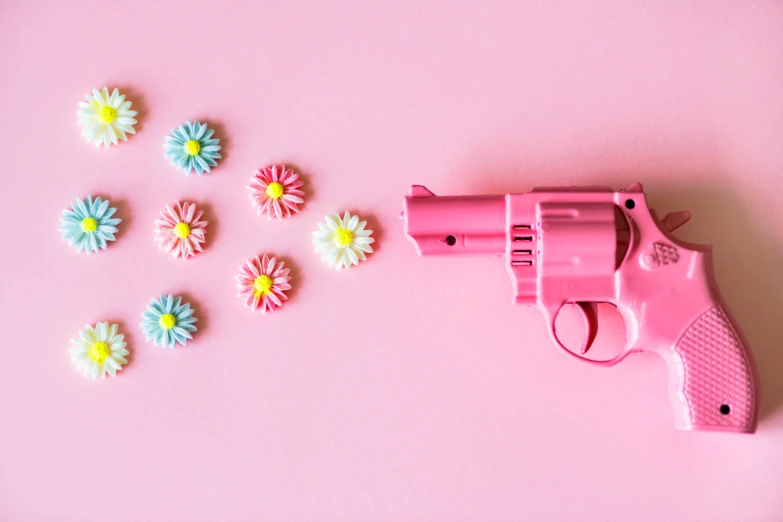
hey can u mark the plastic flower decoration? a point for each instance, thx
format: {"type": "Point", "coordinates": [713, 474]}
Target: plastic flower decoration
{"type": "Point", "coordinates": [343, 242]}
{"type": "Point", "coordinates": [262, 283]}
{"type": "Point", "coordinates": [99, 350]}
{"type": "Point", "coordinates": [181, 231]}
{"type": "Point", "coordinates": [275, 190]}
{"type": "Point", "coordinates": [168, 322]}
{"type": "Point", "coordinates": [192, 147]}
{"type": "Point", "coordinates": [89, 225]}
{"type": "Point", "coordinates": [105, 118]}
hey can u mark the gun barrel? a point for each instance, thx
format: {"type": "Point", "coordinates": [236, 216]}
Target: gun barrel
{"type": "Point", "coordinates": [455, 225]}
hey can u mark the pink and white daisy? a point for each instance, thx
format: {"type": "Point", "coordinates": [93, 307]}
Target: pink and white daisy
{"type": "Point", "coordinates": [275, 190]}
{"type": "Point", "coordinates": [263, 283]}
{"type": "Point", "coordinates": [181, 231]}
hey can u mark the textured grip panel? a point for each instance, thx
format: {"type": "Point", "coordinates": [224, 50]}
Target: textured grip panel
{"type": "Point", "coordinates": [718, 381]}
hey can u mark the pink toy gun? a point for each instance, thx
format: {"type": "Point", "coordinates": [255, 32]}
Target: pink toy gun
{"type": "Point", "coordinates": [586, 245]}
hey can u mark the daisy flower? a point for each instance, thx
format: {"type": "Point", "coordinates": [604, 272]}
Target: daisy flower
{"type": "Point", "coordinates": [167, 321]}
{"type": "Point", "coordinates": [192, 147]}
{"type": "Point", "coordinates": [99, 350]}
{"type": "Point", "coordinates": [105, 118]}
{"type": "Point", "coordinates": [89, 225]}
{"type": "Point", "coordinates": [263, 283]}
{"type": "Point", "coordinates": [181, 231]}
{"type": "Point", "coordinates": [275, 190]}
{"type": "Point", "coordinates": [343, 242]}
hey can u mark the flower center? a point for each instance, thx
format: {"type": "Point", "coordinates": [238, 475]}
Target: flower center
{"type": "Point", "coordinates": [167, 321]}
{"type": "Point", "coordinates": [99, 352]}
{"type": "Point", "coordinates": [274, 190]}
{"type": "Point", "coordinates": [182, 230]}
{"type": "Point", "coordinates": [192, 147]}
{"type": "Point", "coordinates": [263, 284]}
{"type": "Point", "coordinates": [107, 114]}
{"type": "Point", "coordinates": [343, 236]}
{"type": "Point", "coordinates": [89, 224]}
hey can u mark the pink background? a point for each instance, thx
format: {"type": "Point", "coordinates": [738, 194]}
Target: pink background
{"type": "Point", "coordinates": [404, 389]}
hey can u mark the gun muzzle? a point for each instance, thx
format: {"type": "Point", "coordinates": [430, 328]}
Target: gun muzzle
{"type": "Point", "coordinates": [455, 225]}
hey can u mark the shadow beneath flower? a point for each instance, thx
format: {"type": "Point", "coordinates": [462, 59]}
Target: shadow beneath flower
{"type": "Point", "coordinates": [199, 312]}
{"type": "Point", "coordinates": [372, 224]}
{"type": "Point", "coordinates": [124, 328]}
{"type": "Point", "coordinates": [138, 104]}
{"type": "Point", "coordinates": [220, 134]}
{"type": "Point", "coordinates": [307, 188]}
{"type": "Point", "coordinates": [296, 275]}
{"type": "Point", "coordinates": [212, 227]}
{"type": "Point", "coordinates": [123, 212]}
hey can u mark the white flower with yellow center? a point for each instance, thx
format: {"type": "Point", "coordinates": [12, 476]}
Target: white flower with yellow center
{"type": "Point", "coordinates": [106, 118]}
{"type": "Point", "coordinates": [99, 350]}
{"type": "Point", "coordinates": [344, 241]}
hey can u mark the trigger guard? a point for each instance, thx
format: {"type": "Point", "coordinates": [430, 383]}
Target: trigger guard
{"type": "Point", "coordinates": [589, 312]}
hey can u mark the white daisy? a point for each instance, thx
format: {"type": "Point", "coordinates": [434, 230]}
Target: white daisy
{"type": "Point", "coordinates": [343, 242]}
{"type": "Point", "coordinates": [105, 118]}
{"type": "Point", "coordinates": [99, 350]}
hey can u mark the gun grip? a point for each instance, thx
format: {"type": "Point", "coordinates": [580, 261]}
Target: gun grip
{"type": "Point", "coordinates": [713, 376]}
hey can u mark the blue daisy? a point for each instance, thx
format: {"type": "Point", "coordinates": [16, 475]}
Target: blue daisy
{"type": "Point", "coordinates": [89, 225]}
{"type": "Point", "coordinates": [192, 147]}
{"type": "Point", "coordinates": [167, 321]}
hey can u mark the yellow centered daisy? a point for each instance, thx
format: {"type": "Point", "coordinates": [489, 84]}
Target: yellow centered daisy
{"type": "Point", "coordinates": [107, 114]}
{"type": "Point", "coordinates": [106, 118]}
{"type": "Point", "coordinates": [182, 230]}
{"type": "Point", "coordinates": [343, 236]}
{"type": "Point", "coordinates": [192, 147]}
{"type": "Point", "coordinates": [274, 190]}
{"type": "Point", "coordinates": [89, 224]}
{"type": "Point", "coordinates": [167, 321]}
{"type": "Point", "coordinates": [263, 284]}
{"type": "Point", "coordinates": [99, 352]}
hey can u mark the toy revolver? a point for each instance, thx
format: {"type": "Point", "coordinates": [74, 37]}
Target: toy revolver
{"type": "Point", "coordinates": [585, 245]}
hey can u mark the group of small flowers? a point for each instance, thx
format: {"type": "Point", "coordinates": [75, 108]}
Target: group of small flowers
{"type": "Point", "coordinates": [342, 242]}
{"type": "Point", "coordinates": [263, 281]}
{"type": "Point", "coordinates": [90, 224]}
{"type": "Point", "coordinates": [106, 118]}
{"type": "Point", "coordinates": [100, 349]}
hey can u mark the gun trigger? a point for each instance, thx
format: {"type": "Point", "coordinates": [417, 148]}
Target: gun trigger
{"type": "Point", "coordinates": [590, 313]}
{"type": "Point", "coordinates": [675, 220]}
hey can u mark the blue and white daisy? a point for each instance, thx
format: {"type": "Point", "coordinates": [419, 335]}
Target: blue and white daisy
{"type": "Point", "coordinates": [192, 147]}
{"type": "Point", "coordinates": [167, 321]}
{"type": "Point", "coordinates": [89, 226]}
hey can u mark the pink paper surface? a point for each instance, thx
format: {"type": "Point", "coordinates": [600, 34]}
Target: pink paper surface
{"type": "Point", "coordinates": [404, 389]}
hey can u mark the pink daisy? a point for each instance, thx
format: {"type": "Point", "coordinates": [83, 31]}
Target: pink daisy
{"type": "Point", "coordinates": [263, 283]}
{"type": "Point", "coordinates": [275, 190]}
{"type": "Point", "coordinates": [181, 231]}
